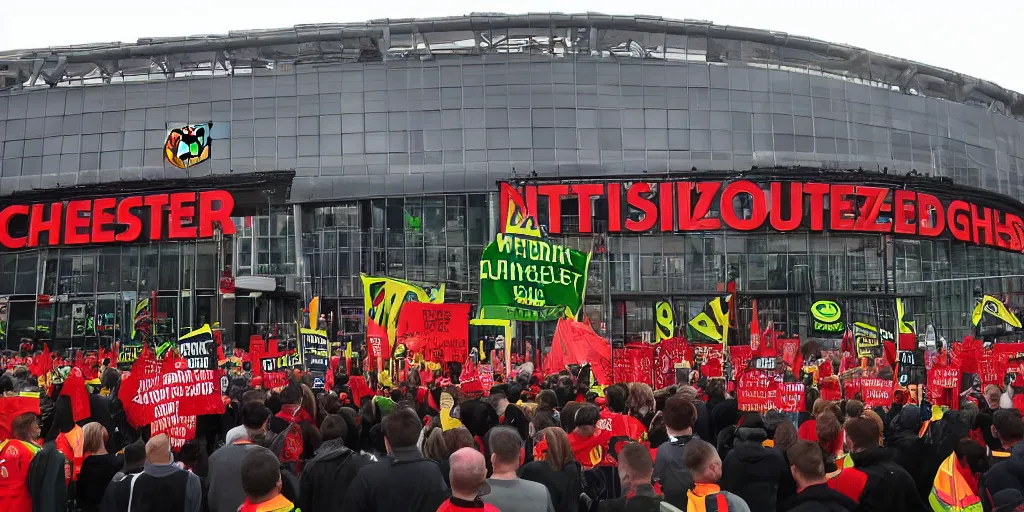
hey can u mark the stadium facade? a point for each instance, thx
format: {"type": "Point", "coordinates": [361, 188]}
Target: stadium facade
{"type": "Point", "coordinates": [378, 148]}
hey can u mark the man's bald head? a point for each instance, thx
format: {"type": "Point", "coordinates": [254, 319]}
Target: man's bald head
{"type": "Point", "coordinates": [158, 449]}
{"type": "Point", "coordinates": [468, 472]}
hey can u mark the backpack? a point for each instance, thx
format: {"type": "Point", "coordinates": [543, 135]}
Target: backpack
{"type": "Point", "coordinates": [675, 478]}
{"type": "Point", "coordinates": [288, 446]}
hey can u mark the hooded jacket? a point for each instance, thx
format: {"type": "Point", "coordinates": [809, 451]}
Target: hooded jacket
{"type": "Point", "coordinates": [888, 487]}
{"type": "Point", "coordinates": [404, 480]}
{"type": "Point", "coordinates": [752, 471]}
{"type": "Point", "coordinates": [819, 498]}
{"type": "Point", "coordinates": [328, 475]}
{"type": "Point", "coordinates": [908, 447]}
{"type": "Point", "coordinates": [1008, 474]}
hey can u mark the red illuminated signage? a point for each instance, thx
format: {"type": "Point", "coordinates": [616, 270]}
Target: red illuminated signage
{"type": "Point", "coordinates": [173, 216]}
{"type": "Point", "coordinates": [782, 206]}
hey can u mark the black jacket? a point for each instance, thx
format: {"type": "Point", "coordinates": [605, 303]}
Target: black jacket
{"type": "Point", "coordinates": [889, 487]}
{"type": "Point", "coordinates": [1008, 474]}
{"type": "Point", "coordinates": [752, 471]}
{"type": "Point", "coordinates": [402, 481]}
{"type": "Point", "coordinates": [908, 448]}
{"type": "Point", "coordinates": [642, 499]}
{"type": "Point", "coordinates": [329, 475]}
{"type": "Point", "coordinates": [819, 498]}
{"type": "Point", "coordinates": [515, 418]}
{"type": "Point", "coordinates": [565, 486]}
{"type": "Point", "coordinates": [46, 480]}
{"type": "Point", "coordinates": [97, 471]}
{"type": "Point", "coordinates": [702, 424]}
{"type": "Point", "coordinates": [671, 473]}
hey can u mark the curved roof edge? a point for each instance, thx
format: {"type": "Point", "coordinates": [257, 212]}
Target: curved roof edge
{"type": "Point", "coordinates": [552, 34]}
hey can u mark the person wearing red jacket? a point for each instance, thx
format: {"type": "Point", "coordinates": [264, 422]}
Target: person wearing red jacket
{"type": "Point", "coordinates": [15, 456]}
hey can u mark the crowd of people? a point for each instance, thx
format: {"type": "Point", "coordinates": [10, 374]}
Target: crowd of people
{"type": "Point", "coordinates": [553, 443]}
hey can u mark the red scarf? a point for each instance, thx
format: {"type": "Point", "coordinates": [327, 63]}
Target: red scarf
{"type": "Point", "coordinates": [293, 413]}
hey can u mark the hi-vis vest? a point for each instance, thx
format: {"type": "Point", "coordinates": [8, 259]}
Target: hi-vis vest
{"type": "Point", "coordinates": [706, 498]}
{"type": "Point", "coordinates": [951, 492]}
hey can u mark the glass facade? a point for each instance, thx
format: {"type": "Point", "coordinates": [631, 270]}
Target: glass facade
{"type": "Point", "coordinates": [395, 167]}
{"type": "Point", "coordinates": [87, 297]}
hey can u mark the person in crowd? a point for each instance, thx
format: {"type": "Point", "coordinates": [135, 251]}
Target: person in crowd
{"type": "Point", "coordinates": [907, 446]}
{"type": "Point", "coordinates": [702, 424]}
{"type": "Point", "coordinates": [636, 469]}
{"type": "Point", "coordinates": [294, 425]}
{"type": "Point", "coordinates": [421, 480]}
{"type": "Point", "coordinates": [508, 414]}
{"type": "Point", "coordinates": [874, 481]}
{"type": "Point", "coordinates": [1008, 469]}
{"type": "Point", "coordinates": [992, 394]}
{"type": "Point", "coordinates": [589, 444]}
{"type": "Point", "coordinates": [555, 467]}
{"type": "Point", "coordinates": [241, 431]}
{"type": "Point", "coordinates": [509, 493]}
{"type": "Point", "coordinates": [261, 481]}
{"type": "Point", "coordinates": [332, 470]}
{"type": "Point", "coordinates": [703, 462]}
{"type": "Point", "coordinates": [669, 470]}
{"type": "Point", "coordinates": [828, 433]}
{"type": "Point", "coordinates": [785, 437]}
{"type": "Point", "coordinates": [134, 461]}
{"type": "Point", "coordinates": [813, 493]}
{"type": "Point", "coordinates": [469, 482]}
{"type": "Point", "coordinates": [752, 471]}
{"type": "Point", "coordinates": [224, 491]}
{"type": "Point", "coordinates": [98, 468]}
{"type": "Point", "coordinates": [161, 485]}
{"type": "Point", "coordinates": [16, 456]}
{"type": "Point", "coordinates": [809, 429]}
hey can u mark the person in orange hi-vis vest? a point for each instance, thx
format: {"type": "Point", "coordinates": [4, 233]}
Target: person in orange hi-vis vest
{"type": "Point", "coordinates": [15, 456]}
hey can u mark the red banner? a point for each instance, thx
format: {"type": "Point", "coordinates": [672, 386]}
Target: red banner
{"type": "Point", "coordinates": [791, 397]}
{"type": "Point", "coordinates": [666, 355]}
{"type": "Point", "coordinates": [740, 357]}
{"type": "Point", "coordinates": [790, 350]}
{"type": "Point", "coordinates": [947, 377]}
{"type": "Point", "coordinates": [830, 390]}
{"type": "Point", "coordinates": [876, 392]}
{"type": "Point", "coordinates": [439, 331]}
{"type": "Point", "coordinates": [377, 340]}
{"type": "Point", "coordinates": [168, 396]}
{"type": "Point", "coordinates": [633, 363]}
{"type": "Point", "coordinates": [758, 390]}
{"type": "Point", "coordinates": [487, 376]}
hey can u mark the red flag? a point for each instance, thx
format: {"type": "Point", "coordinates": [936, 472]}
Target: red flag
{"type": "Point", "coordinates": [74, 388]}
{"type": "Point", "coordinates": [377, 340]}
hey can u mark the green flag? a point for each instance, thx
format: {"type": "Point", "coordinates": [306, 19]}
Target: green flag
{"type": "Point", "coordinates": [531, 280]}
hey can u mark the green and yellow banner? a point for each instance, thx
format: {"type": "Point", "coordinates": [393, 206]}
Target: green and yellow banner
{"type": "Point", "coordinates": [713, 322]}
{"type": "Point", "coordinates": [383, 298]}
{"type": "Point", "coordinates": [526, 278]}
{"type": "Point", "coordinates": [992, 311]}
{"type": "Point", "coordinates": [664, 321]}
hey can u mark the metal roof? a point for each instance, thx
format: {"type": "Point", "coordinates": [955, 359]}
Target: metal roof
{"type": "Point", "coordinates": [555, 35]}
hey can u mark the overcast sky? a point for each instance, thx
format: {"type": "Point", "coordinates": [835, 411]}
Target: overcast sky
{"type": "Point", "coordinates": [976, 38]}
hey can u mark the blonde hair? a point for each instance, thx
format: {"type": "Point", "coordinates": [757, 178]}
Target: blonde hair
{"type": "Point", "coordinates": [94, 436]}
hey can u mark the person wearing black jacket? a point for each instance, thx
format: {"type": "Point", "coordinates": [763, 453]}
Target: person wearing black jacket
{"type": "Point", "coordinates": [559, 472]}
{"type": "Point", "coordinates": [330, 472]}
{"type": "Point", "coordinates": [752, 471]}
{"type": "Point", "coordinates": [887, 487]}
{"type": "Point", "coordinates": [669, 470]}
{"type": "Point", "coordinates": [809, 472]}
{"type": "Point", "coordinates": [907, 447]}
{"type": "Point", "coordinates": [418, 480]}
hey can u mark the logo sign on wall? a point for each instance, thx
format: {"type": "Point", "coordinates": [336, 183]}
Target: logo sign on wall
{"type": "Point", "coordinates": [188, 145]}
{"type": "Point", "coordinates": [827, 317]}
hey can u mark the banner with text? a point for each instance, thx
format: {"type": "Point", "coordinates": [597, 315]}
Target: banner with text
{"type": "Point", "coordinates": [758, 391]}
{"type": "Point", "coordinates": [167, 396]}
{"type": "Point", "coordinates": [315, 354]}
{"type": "Point", "coordinates": [197, 348]}
{"type": "Point", "coordinates": [438, 331]}
{"type": "Point", "coordinates": [531, 280]}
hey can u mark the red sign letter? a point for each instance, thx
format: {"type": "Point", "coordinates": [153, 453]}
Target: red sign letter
{"type": "Point", "coordinates": [6, 239]}
{"type": "Point", "coordinates": [215, 209]}
{"type": "Point", "coordinates": [133, 226]}
{"type": "Point", "coordinates": [76, 227]}
{"type": "Point", "coordinates": [583, 194]}
{"type": "Point", "coordinates": [183, 211]}
{"type": "Point", "coordinates": [37, 225]}
{"type": "Point", "coordinates": [636, 197]}
{"type": "Point", "coordinates": [758, 212]}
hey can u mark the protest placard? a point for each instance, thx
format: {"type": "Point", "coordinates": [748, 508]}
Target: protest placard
{"type": "Point", "coordinates": [439, 331]}
{"type": "Point", "coordinates": [198, 350]}
{"type": "Point", "coordinates": [315, 353]}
